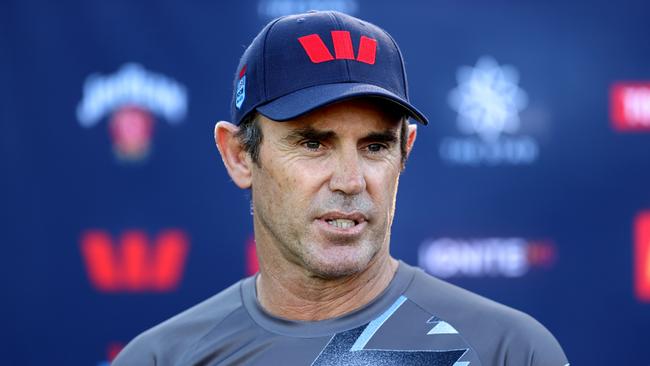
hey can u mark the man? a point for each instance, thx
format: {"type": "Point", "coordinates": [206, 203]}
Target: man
{"type": "Point", "coordinates": [320, 136]}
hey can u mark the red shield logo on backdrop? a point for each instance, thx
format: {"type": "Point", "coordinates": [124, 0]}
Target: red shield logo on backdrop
{"type": "Point", "coordinates": [131, 128]}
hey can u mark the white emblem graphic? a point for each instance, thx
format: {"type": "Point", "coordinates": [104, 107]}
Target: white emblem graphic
{"type": "Point", "coordinates": [131, 85]}
{"type": "Point", "coordinates": [488, 99]}
{"type": "Point", "coordinates": [276, 8]}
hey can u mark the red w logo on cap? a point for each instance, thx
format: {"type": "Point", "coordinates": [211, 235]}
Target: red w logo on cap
{"type": "Point", "coordinates": [318, 52]}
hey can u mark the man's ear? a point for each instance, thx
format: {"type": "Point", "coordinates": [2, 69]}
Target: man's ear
{"type": "Point", "coordinates": [235, 158]}
{"type": "Point", "coordinates": [412, 133]}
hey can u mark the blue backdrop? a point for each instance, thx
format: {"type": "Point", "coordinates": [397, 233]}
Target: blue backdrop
{"type": "Point", "coordinates": [529, 186]}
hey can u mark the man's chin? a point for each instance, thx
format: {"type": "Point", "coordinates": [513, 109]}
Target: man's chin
{"type": "Point", "coordinates": [338, 262]}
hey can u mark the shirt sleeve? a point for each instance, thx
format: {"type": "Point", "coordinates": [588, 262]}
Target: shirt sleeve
{"type": "Point", "coordinates": [531, 344]}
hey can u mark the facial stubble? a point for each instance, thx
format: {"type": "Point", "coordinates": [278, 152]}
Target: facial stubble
{"type": "Point", "coordinates": [295, 239]}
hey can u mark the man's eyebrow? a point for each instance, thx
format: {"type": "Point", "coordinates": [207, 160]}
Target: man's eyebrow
{"type": "Point", "coordinates": [309, 133]}
{"type": "Point", "coordinates": [389, 136]}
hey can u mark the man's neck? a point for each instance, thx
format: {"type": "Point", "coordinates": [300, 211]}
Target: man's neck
{"type": "Point", "coordinates": [293, 294]}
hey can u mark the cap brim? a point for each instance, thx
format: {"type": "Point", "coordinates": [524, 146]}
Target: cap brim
{"type": "Point", "coordinates": [303, 101]}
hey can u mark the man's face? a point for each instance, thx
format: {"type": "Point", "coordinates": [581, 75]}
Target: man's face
{"type": "Point", "coordinates": [324, 191]}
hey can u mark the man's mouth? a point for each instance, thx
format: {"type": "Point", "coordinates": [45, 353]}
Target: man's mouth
{"type": "Point", "coordinates": [342, 223]}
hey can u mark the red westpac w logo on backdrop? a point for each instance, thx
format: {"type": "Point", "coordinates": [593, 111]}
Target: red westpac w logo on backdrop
{"type": "Point", "coordinates": [343, 50]}
{"type": "Point", "coordinates": [133, 262]}
{"type": "Point", "coordinates": [642, 256]}
{"type": "Point", "coordinates": [630, 106]}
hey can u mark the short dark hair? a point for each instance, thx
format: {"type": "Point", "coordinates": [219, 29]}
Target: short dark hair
{"type": "Point", "coordinates": [250, 136]}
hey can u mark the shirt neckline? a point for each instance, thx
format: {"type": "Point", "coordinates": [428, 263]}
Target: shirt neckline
{"type": "Point", "coordinates": [307, 329]}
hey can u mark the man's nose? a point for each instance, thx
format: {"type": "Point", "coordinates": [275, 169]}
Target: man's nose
{"type": "Point", "coordinates": [348, 175]}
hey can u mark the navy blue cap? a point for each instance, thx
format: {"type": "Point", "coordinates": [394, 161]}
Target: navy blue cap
{"type": "Point", "coordinates": [302, 62]}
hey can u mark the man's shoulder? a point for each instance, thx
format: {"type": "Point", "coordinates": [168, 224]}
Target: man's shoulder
{"type": "Point", "coordinates": [449, 300]}
{"type": "Point", "coordinates": [487, 325]}
{"type": "Point", "coordinates": [174, 336]}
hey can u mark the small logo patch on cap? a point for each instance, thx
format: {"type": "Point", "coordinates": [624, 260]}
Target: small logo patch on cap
{"type": "Point", "coordinates": [241, 88]}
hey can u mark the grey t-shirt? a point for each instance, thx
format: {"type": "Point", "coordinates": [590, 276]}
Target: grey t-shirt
{"type": "Point", "coordinates": [417, 320]}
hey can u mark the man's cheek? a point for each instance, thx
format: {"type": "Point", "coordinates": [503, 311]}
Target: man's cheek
{"type": "Point", "coordinates": [307, 179]}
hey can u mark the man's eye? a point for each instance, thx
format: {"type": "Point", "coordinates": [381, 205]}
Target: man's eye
{"type": "Point", "coordinates": [375, 148]}
{"type": "Point", "coordinates": [312, 145]}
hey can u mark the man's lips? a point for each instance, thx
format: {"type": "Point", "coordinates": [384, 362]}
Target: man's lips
{"type": "Point", "coordinates": [357, 217]}
{"type": "Point", "coordinates": [342, 224]}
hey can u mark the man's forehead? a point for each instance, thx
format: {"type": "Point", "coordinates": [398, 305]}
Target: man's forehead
{"type": "Point", "coordinates": [359, 116]}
